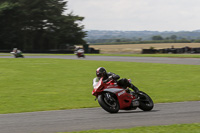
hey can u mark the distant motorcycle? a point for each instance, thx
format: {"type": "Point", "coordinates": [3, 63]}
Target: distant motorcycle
{"type": "Point", "coordinates": [79, 53]}
{"type": "Point", "coordinates": [17, 53]}
{"type": "Point", "coordinates": [112, 97]}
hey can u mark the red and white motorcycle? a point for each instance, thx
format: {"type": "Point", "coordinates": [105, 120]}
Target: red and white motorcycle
{"type": "Point", "coordinates": [79, 53]}
{"type": "Point", "coordinates": [113, 98]}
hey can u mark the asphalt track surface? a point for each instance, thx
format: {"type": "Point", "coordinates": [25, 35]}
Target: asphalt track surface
{"type": "Point", "coordinates": [163, 60]}
{"type": "Point", "coordinates": [97, 118]}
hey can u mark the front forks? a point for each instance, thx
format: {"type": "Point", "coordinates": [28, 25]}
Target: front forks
{"type": "Point", "coordinates": [109, 97]}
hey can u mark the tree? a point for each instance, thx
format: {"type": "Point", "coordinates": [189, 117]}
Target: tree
{"type": "Point", "coordinates": [157, 38]}
{"type": "Point", "coordinates": [38, 25]}
{"type": "Point", "coordinates": [9, 24]}
{"type": "Point", "coordinates": [173, 37]}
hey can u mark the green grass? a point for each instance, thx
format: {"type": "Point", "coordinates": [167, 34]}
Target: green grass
{"type": "Point", "coordinates": [28, 85]}
{"type": "Point", "coordinates": [177, 128]}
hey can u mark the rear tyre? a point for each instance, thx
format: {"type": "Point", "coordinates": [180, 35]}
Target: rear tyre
{"type": "Point", "coordinates": [109, 102]}
{"type": "Point", "coordinates": [146, 103]}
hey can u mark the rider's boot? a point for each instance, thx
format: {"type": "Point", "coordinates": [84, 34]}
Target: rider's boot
{"type": "Point", "coordinates": [136, 90]}
{"type": "Point", "coordinates": [135, 102]}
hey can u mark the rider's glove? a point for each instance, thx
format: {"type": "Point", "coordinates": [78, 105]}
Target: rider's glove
{"type": "Point", "coordinates": [110, 77]}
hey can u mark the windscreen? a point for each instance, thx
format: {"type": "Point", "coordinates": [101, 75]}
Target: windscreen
{"type": "Point", "coordinates": [95, 81]}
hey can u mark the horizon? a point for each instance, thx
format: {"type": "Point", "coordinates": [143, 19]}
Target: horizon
{"type": "Point", "coordinates": [198, 30]}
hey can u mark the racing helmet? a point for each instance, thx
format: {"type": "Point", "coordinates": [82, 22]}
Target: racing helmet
{"type": "Point", "coordinates": [101, 72]}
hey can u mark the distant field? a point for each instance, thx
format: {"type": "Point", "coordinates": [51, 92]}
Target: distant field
{"type": "Point", "coordinates": [137, 48]}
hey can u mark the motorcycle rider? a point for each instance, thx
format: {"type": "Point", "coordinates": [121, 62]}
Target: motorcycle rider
{"type": "Point", "coordinates": [16, 52]}
{"type": "Point", "coordinates": [124, 83]}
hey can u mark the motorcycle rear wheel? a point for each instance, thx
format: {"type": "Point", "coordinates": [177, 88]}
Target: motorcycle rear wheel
{"type": "Point", "coordinates": [108, 102]}
{"type": "Point", "coordinates": [146, 103]}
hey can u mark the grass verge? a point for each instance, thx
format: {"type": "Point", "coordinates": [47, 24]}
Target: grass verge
{"type": "Point", "coordinates": [28, 85]}
{"type": "Point", "coordinates": [176, 128]}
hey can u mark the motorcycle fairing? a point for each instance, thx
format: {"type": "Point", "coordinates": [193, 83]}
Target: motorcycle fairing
{"type": "Point", "coordinates": [113, 90]}
{"type": "Point", "coordinates": [123, 98]}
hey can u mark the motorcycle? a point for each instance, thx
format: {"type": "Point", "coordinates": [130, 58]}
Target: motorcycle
{"type": "Point", "coordinates": [17, 54]}
{"type": "Point", "coordinates": [79, 53]}
{"type": "Point", "coordinates": [112, 98]}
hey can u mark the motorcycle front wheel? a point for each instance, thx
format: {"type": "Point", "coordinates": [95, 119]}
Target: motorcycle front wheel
{"type": "Point", "coordinates": [109, 102]}
{"type": "Point", "coordinates": [146, 103]}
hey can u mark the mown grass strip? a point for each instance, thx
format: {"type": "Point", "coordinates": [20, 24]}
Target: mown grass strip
{"type": "Point", "coordinates": [28, 85]}
{"type": "Point", "coordinates": [176, 128]}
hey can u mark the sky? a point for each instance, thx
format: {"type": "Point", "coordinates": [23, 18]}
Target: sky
{"type": "Point", "coordinates": [137, 15]}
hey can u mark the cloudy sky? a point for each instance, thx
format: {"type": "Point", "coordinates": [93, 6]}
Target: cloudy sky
{"type": "Point", "coordinates": [137, 15]}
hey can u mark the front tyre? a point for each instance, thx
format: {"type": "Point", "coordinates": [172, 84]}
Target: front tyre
{"type": "Point", "coordinates": [146, 103]}
{"type": "Point", "coordinates": [109, 102]}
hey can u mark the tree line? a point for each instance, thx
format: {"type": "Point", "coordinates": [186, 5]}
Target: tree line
{"type": "Point", "coordinates": [38, 25]}
{"type": "Point", "coordinates": [154, 39]}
